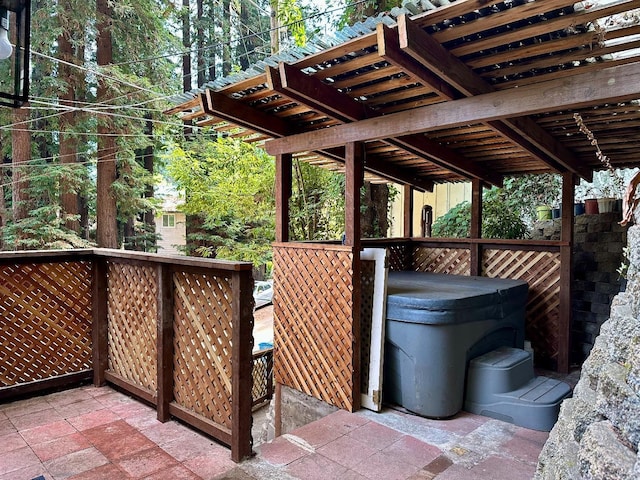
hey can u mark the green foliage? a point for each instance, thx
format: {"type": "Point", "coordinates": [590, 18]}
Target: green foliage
{"type": "Point", "coordinates": [501, 218]}
{"type": "Point", "coordinates": [290, 14]}
{"type": "Point", "coordinates": [456, 223]}
{"type": "Point", "coordinates": [317, 204]}
{"type": "Point", "coordinates": [45, 226]}
{"type": "Point", "coordinates": [230, 184]}
{"type": "Point", "coordinates": [358, 11]}
{"type": "Point", "coordinates": [526, 192]}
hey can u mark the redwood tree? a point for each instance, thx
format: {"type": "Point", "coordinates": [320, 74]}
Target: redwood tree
{"type": "Point", "coordinates": [68, 141]}
{"type": "Point", "coordinates": [107, 228]}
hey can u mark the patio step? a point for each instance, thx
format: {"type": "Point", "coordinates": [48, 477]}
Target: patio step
{"type": "Point", "coordinates": [501, 384]}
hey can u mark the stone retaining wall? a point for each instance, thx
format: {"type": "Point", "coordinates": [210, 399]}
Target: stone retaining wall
{"type": "Point", "coordinates": [598, 430]}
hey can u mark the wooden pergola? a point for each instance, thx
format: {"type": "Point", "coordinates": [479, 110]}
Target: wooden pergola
{"type": "Point", "coordinates": [471, 91]}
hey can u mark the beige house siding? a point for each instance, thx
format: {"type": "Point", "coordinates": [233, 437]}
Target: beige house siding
{"type": "Point", "coordinates": [444, 197]}
{"type": "Point", "coordinates": [171, 236]}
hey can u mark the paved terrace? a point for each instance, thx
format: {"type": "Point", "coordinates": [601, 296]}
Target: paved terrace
{"type": "Point", "coordinates": [99, 433]}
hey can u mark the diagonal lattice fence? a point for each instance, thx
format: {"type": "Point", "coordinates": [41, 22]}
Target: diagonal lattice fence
{"type": "Point", "coordinates": [202, 367]}
{"type": "Point", "coordinates": [313, 321]}
{"type": "Point", "coordinates": [45, 320]}
{"type": "Point", "coordinates": [174, 332]}
{"type": "Point", "coordinates": [132, 312]}
{"type": "Point", "coordinates": [541, 270]}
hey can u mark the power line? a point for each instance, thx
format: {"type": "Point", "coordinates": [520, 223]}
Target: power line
{"type": "Point", "coordinates": [238, 39]}
{"type": "Point", "coordinates": [95, 72]}
{"type": "Point", "coordinates": [19, 164]}
{"type": "Point", "coordinates": [83, 134]}
{"type": "Point", "coordinates": [158, 95]}
{"type": "Point", "coordinates": [64, 110]}
{"type": "Point", "coordinates": [111, 114]}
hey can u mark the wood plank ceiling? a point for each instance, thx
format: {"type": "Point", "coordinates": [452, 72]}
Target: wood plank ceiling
{"type": "Point", "coordinates": [462, 49]}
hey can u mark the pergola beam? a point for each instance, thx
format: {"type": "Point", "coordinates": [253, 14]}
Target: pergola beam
{"type": "Point", "coordinates": [221, 106]}
{"type": "Point", "coordinates": [310, 91]}
{"type": "Point", "coordinates": [522, 131]}
{"type": "Point", "coordinates": [614, 84]}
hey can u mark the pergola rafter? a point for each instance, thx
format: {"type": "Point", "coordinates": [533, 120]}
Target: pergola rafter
{"type": "Point", "coordinates": [609, 85]}
{"type": "Point", "coordinates": [522, 131]}
{"type": "Point", "coordinates": [310, 91]}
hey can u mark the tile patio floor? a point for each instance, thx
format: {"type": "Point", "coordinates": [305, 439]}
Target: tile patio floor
{"type": "Point", "coordinates": [99, 433]}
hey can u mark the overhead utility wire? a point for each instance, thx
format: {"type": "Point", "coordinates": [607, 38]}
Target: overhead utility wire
{"type": "Point", "coordinates": [161, 96]}
{"type": "Point", "coordinates": [143, 89]}
{"type": "Point", "coordinates": [221, 43]}
{"type": "Point", "coordinates": [96, 72]}
{"type": "Point", "coordinates": [106, 158]}
{"type": "Point", "coordinates": [21, 163]}
{"type": "Point", "coordinates": [90, 111]}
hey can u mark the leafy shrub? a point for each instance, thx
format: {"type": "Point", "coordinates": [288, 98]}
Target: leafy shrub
{"type": "Point", "coordinates": [500, 218]}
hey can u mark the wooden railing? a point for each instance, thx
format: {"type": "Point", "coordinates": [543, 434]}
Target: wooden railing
{"type": "Point", "coordinates": [262, 390]}
{"type": "Point", "coordinates": [174, 331]}
{"type": "Point", "coordinates": [45, 320]}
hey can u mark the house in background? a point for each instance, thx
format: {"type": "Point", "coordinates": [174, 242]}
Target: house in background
{"type": "Point", "coordinates": [171, 226]}
{"type": "Point", "coordinates": [444, 197]}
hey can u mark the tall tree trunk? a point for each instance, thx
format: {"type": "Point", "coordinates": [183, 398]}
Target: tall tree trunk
{"type": "Point", "coordinates": [20, 154]}
{"type": "Point", "coordinates": [226, 35]}
{"type": "Point", "coordinates": [149, 216]}
{"type": "Point", "coordinates": [200, 43]}
{"type": "Point", "coordinates": [3, 207]}
{"type": "Point", "coordinates": [107, 228]}
{"type": "Point", "coordinates": [374, 221]}
{"type": "Point", "coordinates": [129, 235]}
{"type": "Point", "coordinates": [186, 43]}
{"type": "Point", "coordinates": [68, 142]}
{"type": "Point", "coordinates": [275, 27]}
{"type": "Point", "coordinates": [212, 39]}
{"type": "Point", "coordinates": [248, 40]}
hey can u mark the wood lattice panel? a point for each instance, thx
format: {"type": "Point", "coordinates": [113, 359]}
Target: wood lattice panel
{"type": "Point", "coordinates": [313, 322]}
{"type": "Point", "coordinates": [453, 261]}
{"type": "Point", "coordinates": [262, 373]}
{"type": "Point", "coordinates": [398, 257]}
{"type": "Point", "coordinates": [132, 312]}
{"type": "Point", "coordinates": [203, 345]}
{"type": "Point", "coordinates": [541, 270]}
{"type": "Point", "coordinates": [45, 320]}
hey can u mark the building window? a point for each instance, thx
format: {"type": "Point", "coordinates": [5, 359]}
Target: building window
{"type": "Point", "coordinates": [169, 220]}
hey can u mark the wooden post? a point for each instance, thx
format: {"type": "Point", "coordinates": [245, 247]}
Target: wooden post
{"type": "Point", "coordinates": [277, 416]}
{"type": "Point", "coordinates": [242, 361]}
{"type": "Point", "coordinates": [566, 260]}
{"type": "Point", "coordinates": [165, 340]}
{"type": "Point", "coordinates": [283, 194]}
{"type": "Point", "coordinates": [100, 325]}
{"type": "Point", "coordinates": [476, 227]}
{"type": "Point", "coordinates": [354, 179]}
{"type": "Point", "coordinates": [407, 230]}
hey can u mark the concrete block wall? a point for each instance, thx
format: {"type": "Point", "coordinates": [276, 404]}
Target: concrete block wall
{"type": "Point", "coordinates": [598, 252]}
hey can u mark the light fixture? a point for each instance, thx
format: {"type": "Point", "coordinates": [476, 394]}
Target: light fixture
{"type": "Point", "coordinates": [5, 45]}
{"type": "Point", "coordinates": [15, 28]}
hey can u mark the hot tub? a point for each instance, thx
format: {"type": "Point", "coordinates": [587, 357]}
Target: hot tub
{"type": "Point", "coordinates": [435, 325]}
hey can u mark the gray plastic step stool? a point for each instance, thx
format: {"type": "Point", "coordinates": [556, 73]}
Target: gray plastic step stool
{"type": "Point", "coordinates": [501, 384]}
